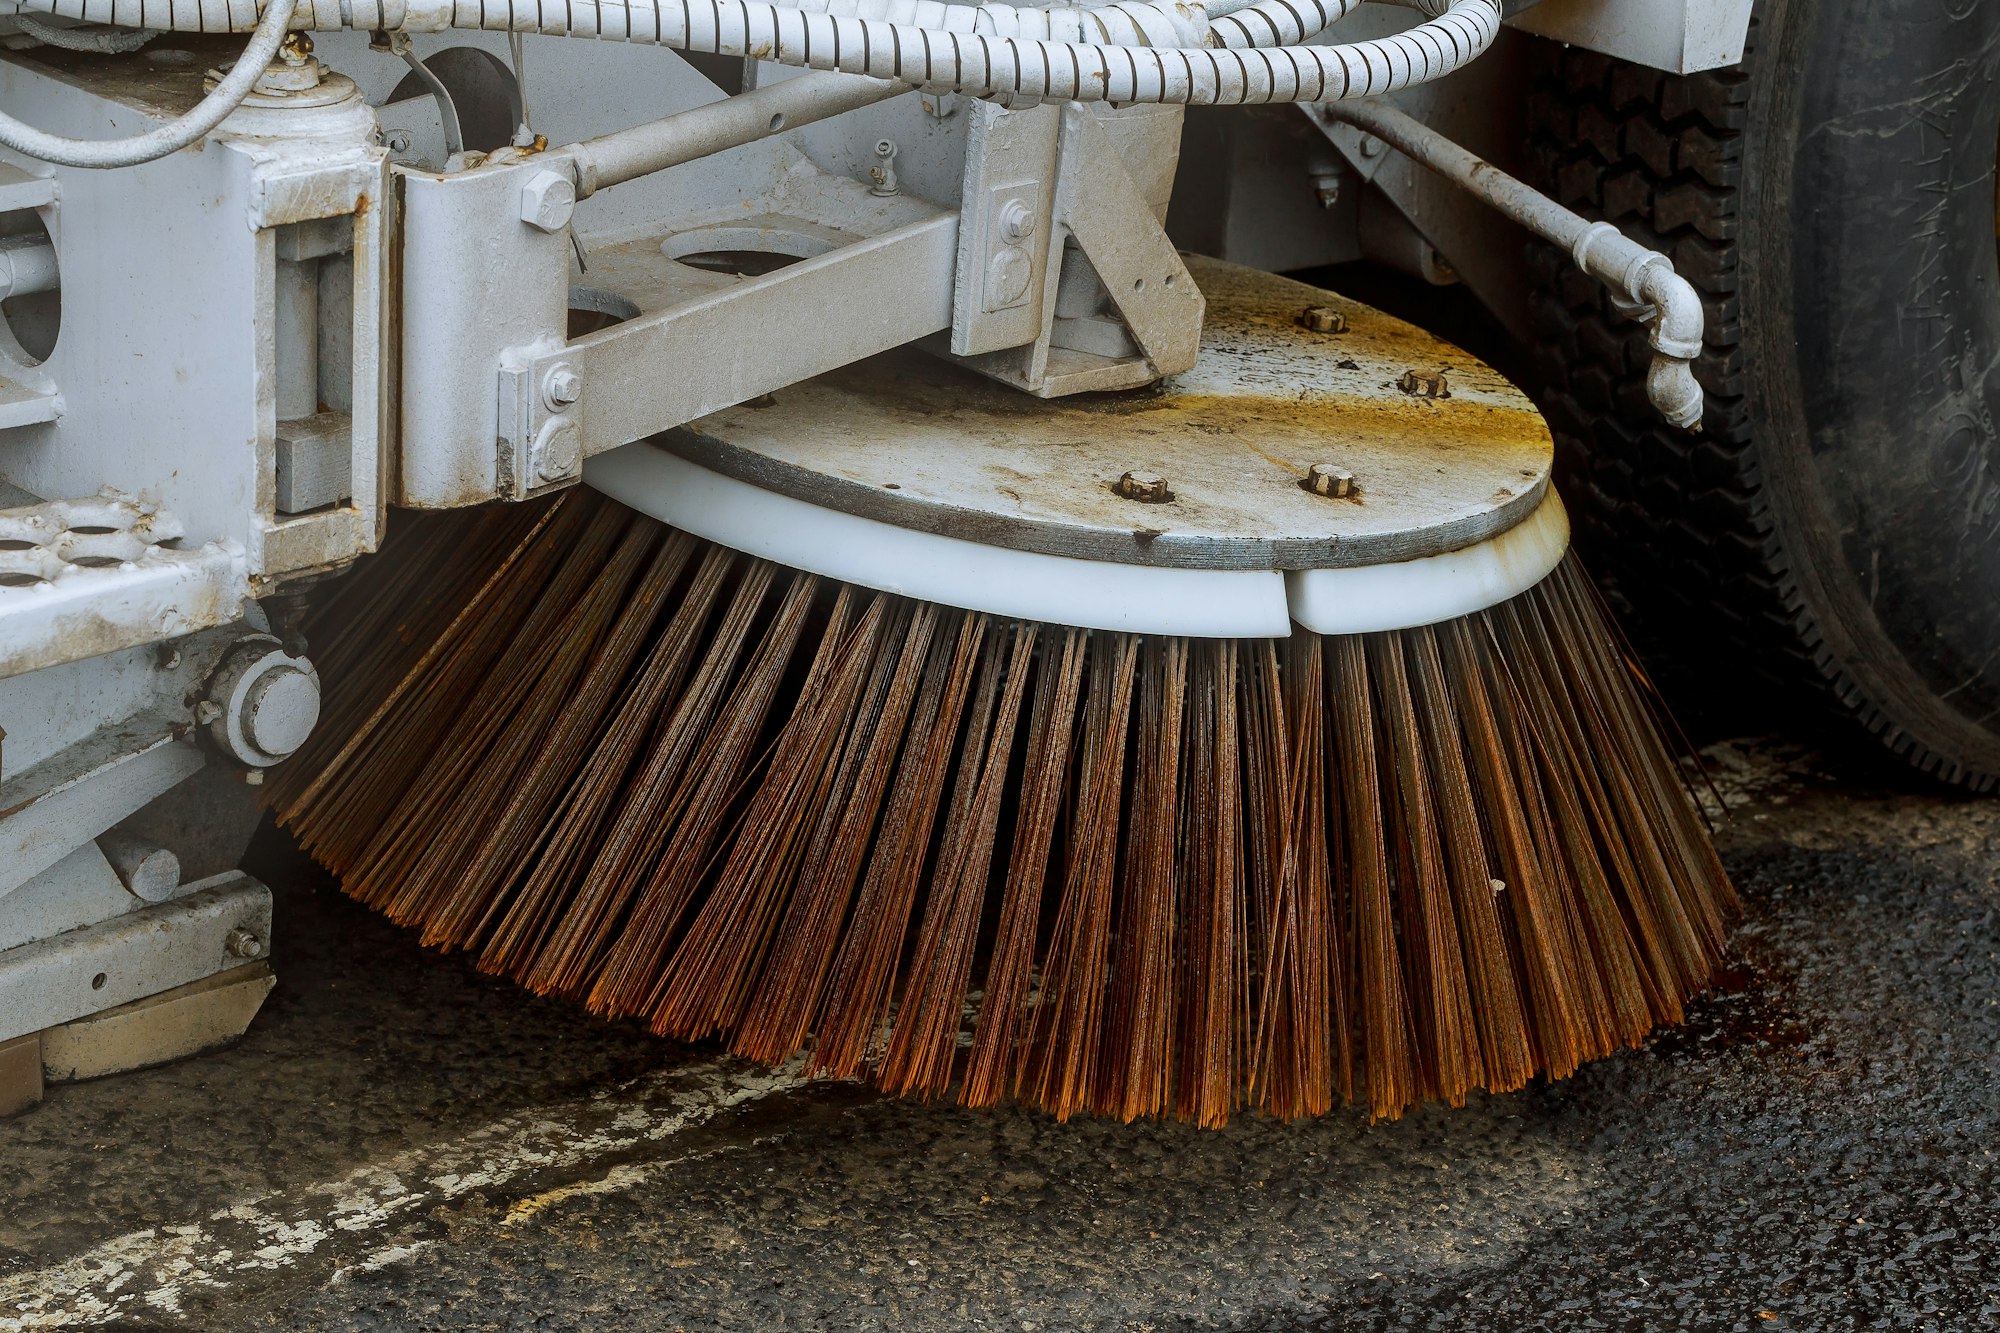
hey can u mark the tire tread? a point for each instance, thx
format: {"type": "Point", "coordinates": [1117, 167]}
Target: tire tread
{"type": "Point", "coordinates": [1679, 525]}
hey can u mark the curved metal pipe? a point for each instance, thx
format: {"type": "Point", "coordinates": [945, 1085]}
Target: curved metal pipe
{"type": "Point", "coordinates": [1643, 282]}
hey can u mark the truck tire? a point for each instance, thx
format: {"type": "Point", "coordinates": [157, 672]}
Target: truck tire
{"type": "Point", "coordinates": [1837, 521]}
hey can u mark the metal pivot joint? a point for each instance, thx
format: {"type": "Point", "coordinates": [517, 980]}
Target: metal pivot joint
{"type": "Point", "coordinates": [262, 702]}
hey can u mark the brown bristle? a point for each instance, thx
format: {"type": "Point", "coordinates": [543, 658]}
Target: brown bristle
{"type": "Point", "coordinates": [1138, 1076]}
{"type": "Point", "coordinates": [1132, 876]}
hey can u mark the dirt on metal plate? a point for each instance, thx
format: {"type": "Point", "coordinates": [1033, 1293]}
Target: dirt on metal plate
{"type": "Point", "coordinates": [908, 439]}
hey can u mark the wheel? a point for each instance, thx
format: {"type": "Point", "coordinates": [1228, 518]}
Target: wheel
{"type": "Point", "coordinates": [1837, 521]}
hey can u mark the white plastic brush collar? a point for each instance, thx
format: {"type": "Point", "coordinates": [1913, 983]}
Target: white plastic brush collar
{"type": "Point", "coordinates": [1366, 480]}
{"type": "Point", "coordinates": [1025, 585]}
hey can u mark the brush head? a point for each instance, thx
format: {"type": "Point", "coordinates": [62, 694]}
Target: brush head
{"type": "Point", "coordinates": [1368, 479]}
{"type": "Point", "coordinates": [1100, 754]}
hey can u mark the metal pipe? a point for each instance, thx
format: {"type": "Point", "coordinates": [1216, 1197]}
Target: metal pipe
{"type": "Point", "coordinates": [1644, 284]}
{"type": "Point", "coordinates": [27, 265]}
{"type": "Point", "coordinates": [644, 149]}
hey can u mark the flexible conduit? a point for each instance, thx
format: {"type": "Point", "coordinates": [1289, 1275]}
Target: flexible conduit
{"type": "Point", "coordinates": [267, 35]}
{"type": "Point", "coordinates": [970, 62]}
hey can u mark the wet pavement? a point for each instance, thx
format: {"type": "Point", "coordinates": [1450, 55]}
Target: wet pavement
{"type": "Point", "coordinates": [402, 1144]}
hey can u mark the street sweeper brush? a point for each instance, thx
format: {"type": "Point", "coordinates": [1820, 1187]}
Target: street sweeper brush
{"type": "Point", "coordinates": [1248, 743]}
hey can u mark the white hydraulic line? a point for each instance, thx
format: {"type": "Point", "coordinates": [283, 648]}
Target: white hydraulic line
{"type": "Point", "coordinates": [974, 63]}
{"type": "Point", "coordinates": [97, 41]}
{"type": "Point", "coordinates": [1643, 282]}
{"type": "Point", "coordinates": [266, 37]}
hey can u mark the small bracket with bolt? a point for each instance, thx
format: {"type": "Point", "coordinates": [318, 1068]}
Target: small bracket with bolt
{"type": "Point", "coordinates": [1145, 487]}
{"type": "Point", "coordinates": [882, 175]}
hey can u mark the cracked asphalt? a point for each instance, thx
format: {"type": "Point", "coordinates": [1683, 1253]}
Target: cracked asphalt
{"type": "Point", "coordinates": [401, 1144]}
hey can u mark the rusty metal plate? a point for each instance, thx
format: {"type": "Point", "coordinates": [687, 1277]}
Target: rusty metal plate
{"type": "Point", "coordinates": [912, 440]}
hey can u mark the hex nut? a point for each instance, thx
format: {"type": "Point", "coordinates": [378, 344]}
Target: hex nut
{"type": "Point", "coordinates": [1335, 483]}
{"type": "Point", "coordinates": [1322, 319]}
{"type": "Point", "coordinates": [548, 200]}
{"type": "Point", "coordinates": [1424, 384]}
{"type": "Point", "coordinates": [241, 943]}
{"type": "Point", "coordinates": [1145, 487]}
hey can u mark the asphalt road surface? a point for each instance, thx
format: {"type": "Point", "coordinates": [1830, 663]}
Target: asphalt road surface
{"type": "Point", "coordinates": [401, 1144]}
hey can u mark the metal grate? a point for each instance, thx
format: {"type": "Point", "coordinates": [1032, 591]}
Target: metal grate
{"type": "Point", "coordinates": [42, 543]}
{"type": "Point", "coordinates": [93, 575]}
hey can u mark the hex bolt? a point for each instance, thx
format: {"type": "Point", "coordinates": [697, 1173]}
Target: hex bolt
{"type": "Point", "coordinates": [1372, 146]}
{"type": "Point", "coordinates": [1424, 384]}
{"type": "Point", "coordinates": [562, 386]}
{"type": "Point", "coordinates": [241, 943]}
{"type": "Point", "coordinates": [548, 200]}
{"type": "Point", "coordinates": [1148, 488]}
{"type": "Point", "coordinates": [1336, 483]}
{"type": "Point", "coordinates": [1017, 221]}
{"type": "Point", "coordinates": [1326, 188]}
{"type": "Point", "coordinates": [1322, 319]}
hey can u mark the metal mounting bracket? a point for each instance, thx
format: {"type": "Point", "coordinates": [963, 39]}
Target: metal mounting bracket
{"type": "Point", "coordinates": [1116, 308]}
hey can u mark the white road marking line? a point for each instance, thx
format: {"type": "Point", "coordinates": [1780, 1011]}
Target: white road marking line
{"type": "Point", "coordinates": [152, 1269]}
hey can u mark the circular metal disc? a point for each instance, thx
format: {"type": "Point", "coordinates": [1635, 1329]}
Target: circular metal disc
{"type": "Point", "coordinates": [915, 441]}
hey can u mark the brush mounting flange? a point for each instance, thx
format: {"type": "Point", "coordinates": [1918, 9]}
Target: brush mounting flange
{"type": "Point", "coordinates": [1189, 508]}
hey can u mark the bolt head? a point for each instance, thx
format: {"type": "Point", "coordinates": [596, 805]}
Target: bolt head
{"type": "Point", "coordinates": [1322, 319]}
{"type": "Point", "coordinates": [1144, 487]}
{"type": "Point", "coordinates": [1425, 384]}
{"type": "Point", "coordinates": [1372, 146]}
{"type": "Point", "coordinates": [1017, 221]}
{"type": "Point", "coordinates": [548, 200]}
{"type": "Point", "coordinates": [562, 386]}
{"type": "Point", "coordinates": [1336, 483]}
